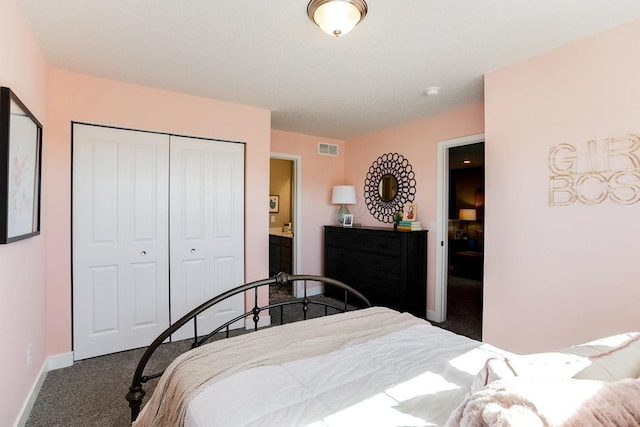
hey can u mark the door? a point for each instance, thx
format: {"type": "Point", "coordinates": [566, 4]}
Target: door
{"type": "Point", "coordinates": [206, 229]}
{"type": "Point", "coordinates": [120, 241]}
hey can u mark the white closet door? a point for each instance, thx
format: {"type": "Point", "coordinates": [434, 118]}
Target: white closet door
{"type": "Point", "coordinates": [120, 239]}
{"type": "Point", "coordinates": [206, 229]}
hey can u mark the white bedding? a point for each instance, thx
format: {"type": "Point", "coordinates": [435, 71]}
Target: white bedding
{"type": "Point", "coordinates": [412, 377]}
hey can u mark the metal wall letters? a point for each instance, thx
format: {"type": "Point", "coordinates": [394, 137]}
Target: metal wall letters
{"type": "Point", "coordinates": [595, 171]}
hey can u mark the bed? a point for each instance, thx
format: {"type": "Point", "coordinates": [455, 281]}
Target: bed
{"type": "Point", "coordinates": [373, 366]}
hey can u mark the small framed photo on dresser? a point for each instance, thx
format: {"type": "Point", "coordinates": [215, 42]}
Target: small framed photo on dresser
{"type": "Point", "coordinates": [348, 221]}
{"type": "Point", "coordinates": [409, 212]}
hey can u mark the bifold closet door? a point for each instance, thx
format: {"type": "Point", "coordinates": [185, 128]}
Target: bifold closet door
{"type": "Point", "coordinates": [206, 229]}
{"type": "Point", "coordinates": [120, 239]}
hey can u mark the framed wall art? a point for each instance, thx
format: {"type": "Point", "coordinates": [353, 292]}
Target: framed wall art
{"type": "Point", "coordinates": [20, 169]}
{"type": "Point", "coordinates": [274, 204]}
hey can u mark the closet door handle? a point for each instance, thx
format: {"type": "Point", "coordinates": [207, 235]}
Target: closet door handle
{"type": "Point", "coordinates": [143, 253]}
{"type": "Point", "coordinates": [193, 251]}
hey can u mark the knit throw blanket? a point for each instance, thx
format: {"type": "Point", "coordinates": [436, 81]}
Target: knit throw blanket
{"type": "Point", "coordinates": [570, 402]}
{"type": "Point", "coordinates": [192, 371]}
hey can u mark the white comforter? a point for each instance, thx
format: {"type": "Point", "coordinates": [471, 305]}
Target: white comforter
{"type": "Point", "coordinates": [411, 377]}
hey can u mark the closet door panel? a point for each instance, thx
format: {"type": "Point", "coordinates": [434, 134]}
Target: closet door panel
{"type": "Point", "coordinates": [206, 229]}
{"type": "Point", "coordinates": [120, 240]}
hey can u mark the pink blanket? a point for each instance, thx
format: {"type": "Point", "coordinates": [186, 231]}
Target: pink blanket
{"type": "Point", "coordinates": [569, 402]}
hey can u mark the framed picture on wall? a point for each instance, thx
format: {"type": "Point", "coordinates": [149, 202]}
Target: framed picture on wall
{"type": "Point", "coordinates": [274, 204]}
{"type": "Point", "coordinates": [20, 169]}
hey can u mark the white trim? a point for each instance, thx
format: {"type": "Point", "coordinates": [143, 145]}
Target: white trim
{"type": "Point", "coordinates": [442, 203]}
{"type": "Point", "coordinates": [297, 213]}
{"type": "Point", "coordinates": [25, 411]}
{"type": "Point", "coordinates": [265, 320]}
{"type": "Point", "coordinates": [311, 292]}
{"type": "Point", "coordinates": [59, 361]}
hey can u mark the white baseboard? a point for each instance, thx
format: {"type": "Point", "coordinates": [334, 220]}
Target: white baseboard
{"type": "Point", "coordinates": [59, 361]}
{"type": "Point", "coordinates": [25, 411]}
{"type": "Point", "coordinates": [264, 321]}
{"type": "Point", "coordinates": [298, 291]}
{"type": "Point", "coordinates": [314, 291]}
{"type": "Point", "coordinates": [51, 363]}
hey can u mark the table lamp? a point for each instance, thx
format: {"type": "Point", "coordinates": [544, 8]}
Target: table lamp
{"type": "Point", "coordinates": [343, 195]}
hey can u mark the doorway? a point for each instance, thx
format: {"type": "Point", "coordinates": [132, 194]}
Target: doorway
{"type": "Point", "coordinates": [460, 232]}
{"type": "Point", "coordinates": [284, 218]}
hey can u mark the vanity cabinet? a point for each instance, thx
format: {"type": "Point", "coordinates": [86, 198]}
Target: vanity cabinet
{"type": "Point", "coordinates": [388, 267]}
{"type": "Point", "coordinates": [279, 254]}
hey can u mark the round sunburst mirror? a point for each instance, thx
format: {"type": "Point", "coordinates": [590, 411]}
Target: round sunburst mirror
{"type": "Point", "coordinates": [390, 183]}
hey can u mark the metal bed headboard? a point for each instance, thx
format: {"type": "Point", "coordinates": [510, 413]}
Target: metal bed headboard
{"type": "Point", "coordinates": [136, 392]}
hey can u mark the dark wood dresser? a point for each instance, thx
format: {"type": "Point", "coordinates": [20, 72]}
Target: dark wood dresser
{"type": "Point", "coordinates": [388, 267]}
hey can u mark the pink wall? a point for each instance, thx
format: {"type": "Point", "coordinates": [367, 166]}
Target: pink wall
{"type": "Point", "coordinates": [418, 143]}
{"type": "Point", "coordinates": [557, 275]}
{"type": "Point", "coordinates": [76, 97]}
{"type": "Point", "coordinates": [319, 174]}
{"type": "Point", "coordinates": [22, 264]}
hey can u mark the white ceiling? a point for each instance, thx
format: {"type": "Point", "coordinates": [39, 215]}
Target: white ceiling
{"type": "Point", "coordinates": [268, 54]}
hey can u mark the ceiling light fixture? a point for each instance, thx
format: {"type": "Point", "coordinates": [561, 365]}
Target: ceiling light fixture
{"type": "Point", "coordinates": [432, 91]}
{"type": "Point", "coordinates": [337, 17]}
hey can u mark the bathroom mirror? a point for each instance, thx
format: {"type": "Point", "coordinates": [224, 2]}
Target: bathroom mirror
{"type": "Point", "coordinates": [389, 184]}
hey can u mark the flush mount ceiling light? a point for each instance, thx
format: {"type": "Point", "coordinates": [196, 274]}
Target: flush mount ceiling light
{"type": "Point", "coordinates": [337, 17]}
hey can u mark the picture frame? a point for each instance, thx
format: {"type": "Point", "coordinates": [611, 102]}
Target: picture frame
{"type": "Point", "coordinates": [274, 204]}
{"type": "Point", "coordinates": [347, 221]}
{"type": "Point", "coordinates": [20, 169]}
{"type": "Point", "coordinates": [409, 212]}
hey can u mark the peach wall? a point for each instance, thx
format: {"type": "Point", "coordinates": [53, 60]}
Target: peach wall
{"type": "Point", "coordinates": [319, 174]}
{"type": "Point", "coordinates": [76, 97]}
{"type": "Point", "coordinates": [22, 264]}
{"type": "Point", "coordinates": [558, 275]}
{"type": "Point", "coordinates": [418, 143]}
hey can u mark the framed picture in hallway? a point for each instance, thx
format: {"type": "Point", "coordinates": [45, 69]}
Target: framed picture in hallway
{"type": "Point", "coordinates": [274, 204]}
{"type": "Point", "coordinates": [20, 169]}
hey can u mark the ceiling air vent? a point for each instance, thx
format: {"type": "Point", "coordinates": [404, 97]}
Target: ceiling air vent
{"type": "Point", "coordinates": [327, 149]}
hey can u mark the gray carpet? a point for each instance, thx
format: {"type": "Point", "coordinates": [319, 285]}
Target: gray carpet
{"type": "Point", "coordinates": [464, 307]}
{"type": "Point", "coordinates": [91, 392]}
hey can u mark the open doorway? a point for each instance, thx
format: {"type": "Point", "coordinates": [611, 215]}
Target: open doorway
{"type": "Point", "coordinates": [460, 261]}
{"type": "Point", "coordinates": [284, 219]}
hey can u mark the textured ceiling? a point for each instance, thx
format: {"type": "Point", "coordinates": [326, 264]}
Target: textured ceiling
{"type": "Point", "coordinates": [268, 54]}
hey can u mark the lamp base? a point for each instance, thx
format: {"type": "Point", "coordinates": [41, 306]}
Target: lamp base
{"type": "Point", "coordinates": [341, 213]}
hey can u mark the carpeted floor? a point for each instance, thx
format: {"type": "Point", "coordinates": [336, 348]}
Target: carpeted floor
{"type": "Point", "coordinates": [91, 392]}
{"type": "Point", "coordinates": [464, 307]}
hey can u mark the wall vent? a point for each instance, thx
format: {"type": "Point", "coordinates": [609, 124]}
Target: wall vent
{"type": "Point", "coordinates": [327, 149]}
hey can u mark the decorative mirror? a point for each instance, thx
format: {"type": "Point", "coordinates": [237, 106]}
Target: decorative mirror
{"type": "Point", "coordinates": [390, 183]}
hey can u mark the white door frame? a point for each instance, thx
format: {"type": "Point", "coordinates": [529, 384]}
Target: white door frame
{"type": "Point", "coordinates": [297, 213]}
{"type": "Point", "coordinates": [442, 221]}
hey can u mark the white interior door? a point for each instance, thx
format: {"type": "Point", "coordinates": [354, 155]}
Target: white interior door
{"type": "Point", "coordinates": [120, 239]}
{"type": "Point", "coordinates": [206, 229]}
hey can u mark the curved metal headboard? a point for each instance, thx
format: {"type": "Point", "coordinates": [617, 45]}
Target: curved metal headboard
{"type": "Point", "coordinates": [136, 392]}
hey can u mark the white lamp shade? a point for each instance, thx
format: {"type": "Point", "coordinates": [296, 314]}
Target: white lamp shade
{"type": "Point", "coordinates": [343, 195]}
{"type": "Point", "coordinates": [467, 214]}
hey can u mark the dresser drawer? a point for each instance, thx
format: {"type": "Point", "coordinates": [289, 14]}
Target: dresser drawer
{"type": "Point", "coordinates": [355, 240]}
